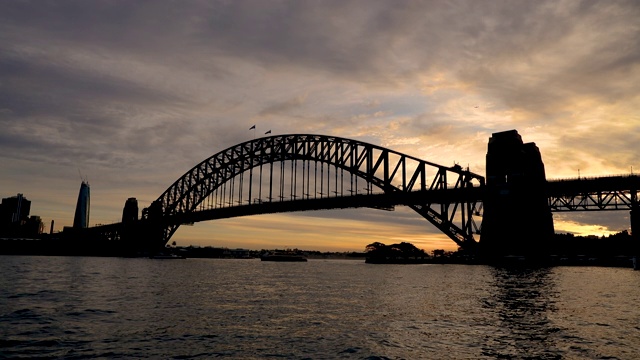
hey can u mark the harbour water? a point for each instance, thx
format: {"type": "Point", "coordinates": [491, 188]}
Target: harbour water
{"type": "Point", "coordinates": [92, 307]}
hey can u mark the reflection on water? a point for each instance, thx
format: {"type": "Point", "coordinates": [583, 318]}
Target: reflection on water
{"type": "Point", "coordinates": [83, 308]}
{"type": "Point", "coordinates": [522, 299]}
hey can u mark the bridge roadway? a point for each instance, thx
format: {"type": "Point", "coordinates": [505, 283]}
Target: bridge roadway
{"type": "Point", "coordinates": [594, 194]}
{"type": "Point", "coordinates": [382, 201]}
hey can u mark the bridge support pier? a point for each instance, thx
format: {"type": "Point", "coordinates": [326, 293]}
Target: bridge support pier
{"type": "Point", "coordinates": [148, 236]}
{"type": "Point", "coordinates": [517, 219]}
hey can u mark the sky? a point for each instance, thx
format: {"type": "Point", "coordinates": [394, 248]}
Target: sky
{"type": "Point", "coordinates": [133, 94]}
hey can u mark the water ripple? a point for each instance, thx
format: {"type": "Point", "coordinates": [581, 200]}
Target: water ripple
{"type": "Point", "coordinates": [197, 309]}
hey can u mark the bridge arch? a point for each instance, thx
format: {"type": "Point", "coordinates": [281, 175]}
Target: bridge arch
{"type": "Point", "coordinates": [401, 178]}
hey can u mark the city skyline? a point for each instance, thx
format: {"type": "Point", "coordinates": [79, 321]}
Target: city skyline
{"type": "Point", "coordinates": [135, 94]}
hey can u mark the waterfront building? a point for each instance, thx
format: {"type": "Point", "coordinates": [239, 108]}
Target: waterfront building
{"type": "Point", "coordinates": [81, 218]}
{"type": "Point", "coordinates": [14, 210]}
{"type": "Point", "coordinates": [33, 227]}
{"type": "Point", "coordinates": [15, 220]}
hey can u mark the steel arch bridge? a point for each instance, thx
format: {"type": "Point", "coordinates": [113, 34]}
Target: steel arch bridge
{"type": "Point", "coordinates": [306, 172]}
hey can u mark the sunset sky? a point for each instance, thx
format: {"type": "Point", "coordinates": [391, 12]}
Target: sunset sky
{"type": "Point", "coordinates": [132, 94]}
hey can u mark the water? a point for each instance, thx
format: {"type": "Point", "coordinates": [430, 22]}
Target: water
{"type": "Point", "coordinates": [85, 308]}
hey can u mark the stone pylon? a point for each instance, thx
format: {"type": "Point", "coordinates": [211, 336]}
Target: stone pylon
{"type": "Point", "coordinates": [517, 219]}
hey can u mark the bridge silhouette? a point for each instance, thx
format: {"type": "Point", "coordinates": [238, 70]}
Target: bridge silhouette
{"type": "Point", "coordinates": [301, 172]}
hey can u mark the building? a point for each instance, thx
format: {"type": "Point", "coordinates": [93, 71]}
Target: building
{"type": "Point", "coordinates": [14, 210]}
{"type": "Point", "coordinates": [15, 220]}
{"type": "Point", "coordinates": [33, 227]}
{"type": "Point", "coordinates": [81, 218]}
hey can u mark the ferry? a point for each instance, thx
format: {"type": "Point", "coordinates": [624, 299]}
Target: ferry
{"type": "Point", "coordinates": [283, 257]}
{"type": "Point", "coordinates": [166, 256]}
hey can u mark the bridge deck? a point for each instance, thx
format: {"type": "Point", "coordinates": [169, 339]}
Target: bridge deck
{"type": "Point", "coordinates": [383, 201]}
{"type": "Point", "coordinates": [593, 185]}
{"type": "Point", "coordinates": [594, 194]}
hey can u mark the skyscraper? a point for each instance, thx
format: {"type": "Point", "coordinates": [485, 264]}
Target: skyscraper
{"type": "Point", "coordinates": [81, 219]}
{"type": "Point", "coordinates": [14, 210]}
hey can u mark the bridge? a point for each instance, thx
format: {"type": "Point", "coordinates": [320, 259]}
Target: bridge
{"type": "Point", "coordinates": [301, 172]}
{"type": "Point", "coordinates": [603, 193]}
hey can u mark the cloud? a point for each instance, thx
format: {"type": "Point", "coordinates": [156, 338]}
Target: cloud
{"type": "Point", "coordinates": [589, 55]}
{"type": "Point", "coordinates": [590, 223]}
{"type": "Point", "coordinates": [139, 92]}
{"type": "Point", "coordinates": [284, 106]}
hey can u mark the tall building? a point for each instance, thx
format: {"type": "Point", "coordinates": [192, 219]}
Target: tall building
{"type": "Point", "coordinates": [33, 226]}
{"type": "Point", "coordinates": [81, 218]}
{"type": "Point", "coordinates": [14, 210]}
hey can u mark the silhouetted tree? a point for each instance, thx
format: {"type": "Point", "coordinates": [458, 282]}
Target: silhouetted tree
{"type": "Point", "coordinates": [402, 252]}
{"type": "Point", "coordinates": [438, 252]}
{"type": "Point", "coordinates": [376, 246]}
{"type": "Point", "coordinates": [407, 249]}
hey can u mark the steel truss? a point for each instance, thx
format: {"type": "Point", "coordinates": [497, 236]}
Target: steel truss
{"type": "Point", "coordinates": [316, 167]}
{"type": "Point", "coordinates": [596, 194]}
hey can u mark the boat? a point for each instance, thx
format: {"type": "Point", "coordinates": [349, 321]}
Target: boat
{"type": "Point", "coordinates": [283, 257]}
{"type": "Point", "coordinates": [166, 256]}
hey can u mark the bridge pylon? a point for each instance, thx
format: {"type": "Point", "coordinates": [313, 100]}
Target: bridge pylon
{"type": "Point", "coordinates": [517, 219]}
{"type": "Point", "coordinates": [635, 228]}
{"type": "Point", "coordinates": [150, 230]}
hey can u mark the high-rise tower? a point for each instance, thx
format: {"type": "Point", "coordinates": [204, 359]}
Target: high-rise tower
{"type": "Point", "coordinates": [14, 210]}
{"type": "Point", "coordinates": [14, 213]}
{"type": "Point", "coordinates": [81, 219]}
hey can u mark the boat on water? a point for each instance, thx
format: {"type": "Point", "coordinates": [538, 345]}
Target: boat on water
{"type": "Point", "coordinates": [166, 256]}
{"type": "Point", "coordinates": [283, 257]}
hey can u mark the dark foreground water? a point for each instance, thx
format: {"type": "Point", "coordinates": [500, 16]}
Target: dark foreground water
{"type": "Point", "coordinates": [80, 307]}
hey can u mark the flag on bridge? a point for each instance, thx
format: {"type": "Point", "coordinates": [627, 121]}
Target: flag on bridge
{"type": "Point", "coordinates": [268, 132]}
{"type": "Point", "coordinates": [253, 127]}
